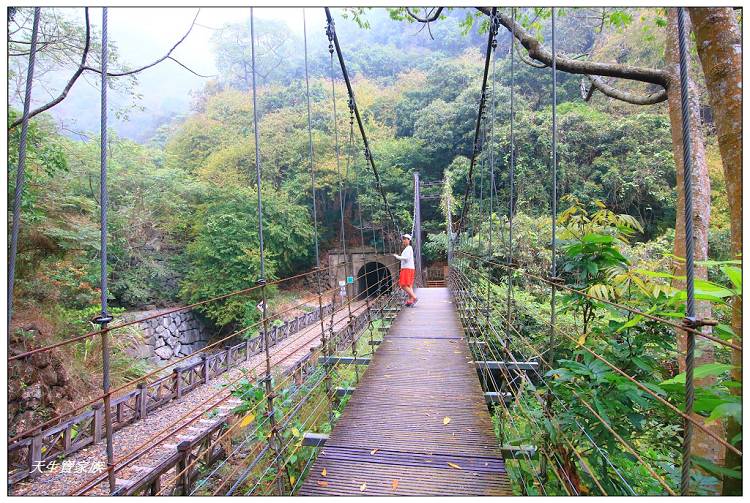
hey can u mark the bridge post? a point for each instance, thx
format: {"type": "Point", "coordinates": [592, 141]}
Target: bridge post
{"type": "Point", "coordinates": [98, 422]}
{"type": "Point", "coordinates": [204, 359]}
{"type": "Point", "coordinates": [35, 455]}
{"type": "Point", "coordinates": [177, 376]}
{"type": "Point", "coordinates": [141, 401]}
{"type": "Point", "coordinates": [182, 486]}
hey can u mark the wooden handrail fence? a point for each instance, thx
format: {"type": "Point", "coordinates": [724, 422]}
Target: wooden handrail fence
{"type": "Point", "coordinates": [28, 456]}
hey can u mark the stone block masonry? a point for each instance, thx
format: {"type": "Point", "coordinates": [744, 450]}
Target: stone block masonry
{"type": "Point", "coordinates": [171, 336]}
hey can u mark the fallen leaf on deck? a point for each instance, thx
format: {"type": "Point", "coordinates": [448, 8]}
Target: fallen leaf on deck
{"type": "Point", "coordinates": [322, 483]}
{"type": "Point", "coordinates": [394, 484]}
{"type": "Point", "coordinates": [249, 419]}
{"type": "Point", "coordinates": [292, 479]}
{"type": "Point", "coordinates": [324, 472]}
{"type": "Point", "coordinates": [446, 420]}
{"type": "Point", "coordinates": [372, 452]}
{"type": "Point", "coordinates": [363, 487]}
{"type": "Point", "coordinates": [454, 465]}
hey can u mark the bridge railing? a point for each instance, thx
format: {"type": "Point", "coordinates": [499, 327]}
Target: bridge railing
{"type": "Point", "coordinates": [28, 456]}
{"type": "Point", "coordinates": [193, 456]}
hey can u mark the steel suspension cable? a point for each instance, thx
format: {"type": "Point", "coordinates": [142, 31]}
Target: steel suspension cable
{"type": "Point", "coordinates": [553, 266]}
{"type": "Point", "coordinates": [559, 400]}
{"type": "Point", "coordinates": [511, 177]}
{"type": "Point", "coordinates": [310, 141]}
{"type": "Point", "coordinates": [273, 442]}
{"type": "Point", "coordinates": [475, 146]}
{"type": "Point", "coordinates": [331, 32]}
{"type": "Point", "coordinates": [492, 144]}
{"type": "Point", "coordinates": [633, 310]}
{"type": "Point", "coordinates": [690, 319]}
{"type": "Point", "coordinates": [658, 398]}
{"type": "Point", "coordinates": [133, 454]}
{"type": "Point", "coordinates": [124, 324]}
{"type": "Point", "coordinates": [104, 317]}
{"type": "Point", "coordinates": [21, 166]}
{"type": "Point", "coordinates": [313, 189]}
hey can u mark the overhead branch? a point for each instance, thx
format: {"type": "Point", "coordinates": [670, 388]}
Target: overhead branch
{"type": "Point", "coordinates": [650, 99]}
{"type": "Point", "coordinates": [540, 53]}
{"type": "Point", "coordinates": [71, 81]}
{"type": "Point", "coordinates": [190, 69]}
{"type": "Point", "coordinates": [155, 62]}
{"type": "Point", "coordinates": [586, 93]}
{"type": "Point", "coordinates": [82, 67]}
{"type": "Point", "coordinates": [526, 60]}
{"type": "Point", "coordinates": [430, 17]}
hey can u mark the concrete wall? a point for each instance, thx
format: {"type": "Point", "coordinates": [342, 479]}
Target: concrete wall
{"type": "Point", "coordinates": [359, 257]}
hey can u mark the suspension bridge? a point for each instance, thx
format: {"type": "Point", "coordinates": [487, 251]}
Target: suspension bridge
{"type": "Point", "coordinates": [357, 396]}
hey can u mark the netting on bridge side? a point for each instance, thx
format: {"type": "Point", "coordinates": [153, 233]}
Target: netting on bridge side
{"type": "Point", "coordinates": [265, 347]}
{"type": "Point", "coordinates": [537, 359]}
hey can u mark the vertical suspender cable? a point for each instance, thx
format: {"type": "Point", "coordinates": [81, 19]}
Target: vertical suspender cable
{"type": "Point", "coordinates": [330, 31]}
{"type": "Point", "coordinates": [492, 136]}
{"type": "Point", "coordinates": [512, 177]}
{"type": "Point", "coordinates": [20, 169]}
{"type": "Point", "coordinates": [334, 42]}
{"type": "Point", "coordinates": [416, 233]}
{"type": "Point", "coordinates": [553, 205]}
{"type": "Point", "coordinates": [104, 318]}
{"type": "Point", "coordinates": [310, 140]}
{"type": "Point", "coordinates": [553, 267]}
{"type": "Point", "coordinates": [483, 163]}
{"type": "Point", "coordinates": [491, 163]}
{"type": "Point", "coordinates": [690, 319]}
{"type": "Point", "coordinates": [273, 437]}
{"type": "Point", "coordinates": [476, 144]}
{"type": "Point", "coordinates": [323, 339]}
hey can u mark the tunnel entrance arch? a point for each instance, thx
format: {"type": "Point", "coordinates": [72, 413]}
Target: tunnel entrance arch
{"type": "Point", "coordinates": [374, 279]}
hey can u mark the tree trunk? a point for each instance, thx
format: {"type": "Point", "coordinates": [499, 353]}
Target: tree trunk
{"type": "Point", "coordinates": [702, 445]}
{"type": "Point", "coordinates": [719, 42]}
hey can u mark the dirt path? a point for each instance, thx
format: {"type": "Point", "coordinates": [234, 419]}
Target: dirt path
{"type": "Point", "coordinates": [82, 465]}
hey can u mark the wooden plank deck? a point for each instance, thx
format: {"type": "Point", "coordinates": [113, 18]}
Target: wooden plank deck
{"type": "Point", "coordinates": [391, 438]}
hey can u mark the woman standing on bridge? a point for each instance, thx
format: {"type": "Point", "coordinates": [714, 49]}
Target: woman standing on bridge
{"type": "Point", "coordinates": [406, 276]}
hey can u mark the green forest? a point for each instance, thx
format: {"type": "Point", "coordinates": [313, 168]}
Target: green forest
{"type": "Point", "coordinates": [183, 225]}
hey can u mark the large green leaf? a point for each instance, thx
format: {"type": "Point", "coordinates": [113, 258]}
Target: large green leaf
{"type": "Point", "coordinates": [727, 409]}
{"type": "Point", "coordinates": [735, 276]}
{"type": "Point", "coordinates": [711, 467]}
{"type": "Point", "coordinates": [594, 238]}
{"type": "Point", "coordinates": [709, 369]}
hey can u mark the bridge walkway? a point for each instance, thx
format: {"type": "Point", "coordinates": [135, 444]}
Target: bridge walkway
{"type": "Point", "coordinates": [417, 424]}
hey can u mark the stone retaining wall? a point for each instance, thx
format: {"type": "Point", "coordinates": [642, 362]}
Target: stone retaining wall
{"type": "Point", "coordinates": [172, 336]}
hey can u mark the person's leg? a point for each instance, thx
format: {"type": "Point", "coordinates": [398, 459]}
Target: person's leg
{"type": "Point", "coordinates": [403, 288]}
{"type": "Point", "coordinates": [410, 291]}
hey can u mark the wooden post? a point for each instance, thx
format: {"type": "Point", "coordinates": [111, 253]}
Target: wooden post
{"type": "Point", "coordinates": [155, 487]}
{"type": "Point", "coordinates": [228, 349]}
{"type": "Point", "coordinates": [35, 455]}
{"type": "Point", "coordinates": [98, 422]}
{"type": "Point", "coordinates": [226, 361]}
{"type": "Point", "coordinates": [204, 359]}
{"type": "Point", "coordinates": [177, 382]}
{"type": "Point", "coordinates": [67, 438]}
{"type": "Point", "coordinates": [141, 401]}
{"type": "Point", "coordinates": [183, 483]}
